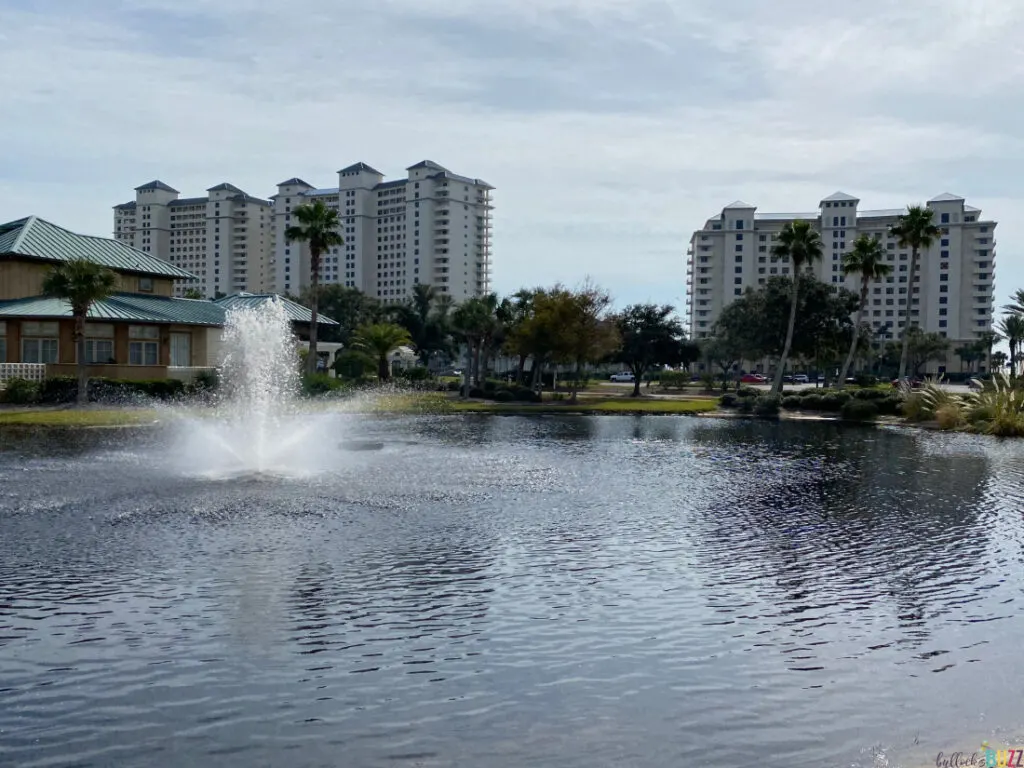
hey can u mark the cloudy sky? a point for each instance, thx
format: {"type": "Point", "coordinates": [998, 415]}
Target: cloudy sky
{"type": "Point", "coordinates": [610, 128]}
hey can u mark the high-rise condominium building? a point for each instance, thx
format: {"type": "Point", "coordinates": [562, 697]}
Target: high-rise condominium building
{"type": "Point", "coordinates": [225, 238]}
{"type": "Point", "coordinates": [433, 227]}
{"type": "Point", "coordinates": [952, 295]}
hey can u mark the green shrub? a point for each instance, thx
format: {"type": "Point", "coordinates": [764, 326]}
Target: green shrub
{"type": "Point", "coordinates": [58, 389]}
{"type": "Point", "coordinates": [673, 379]}
{"type": "Point", "coordinates": [866, 380]}
{"type": "Point", "coordinates": [748, 392]}
{"type": "Point", "coordinates": [318, 384]}
{"type": "Point", "coordinates": [792, 402]}
{"type": "Point", "coordinates": [526, 395]}
{"type": "Point", "coordinates": [19, 392]}
{"type": "Point", "coordinates": [208, 379]}
{"type": "Point", "coordinates": [767, 405]}
{"type": "Point", "coordinates": [64, 389]}
{"type": "Point", "coordinates": [728, 400]}
{"type": "Point", "coordinates": [834, 401]}
{"type": "Point", "coordinates": [476, 392]}
{"type": "Point", "coordinates": [812, 402]}
{"type": "Point", "coordinates": [890, 406]}
{"type": "Point", "coordinates": [354, 365]}
{"type": "Point", "coordinates": [859, 410]}
{"type": "Point", "coordinates": [746, 404]}
{"type": "Point", "coordinates": [870, 394]}
{"type": "Point", "coordinates": [503, 396]}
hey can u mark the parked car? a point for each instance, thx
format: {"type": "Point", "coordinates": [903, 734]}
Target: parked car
{"type": "Point", "coordinates": [752, 378]}
{"type": "Point", "coordinates": [624, 376]}
{"type": "Point", "coordinates": [801, 378]}
{"type": "Point", "coordinates": [787, 379]}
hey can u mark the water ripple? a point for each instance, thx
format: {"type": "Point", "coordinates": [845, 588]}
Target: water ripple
{"type": "Point", "coordinates": [503, 592]}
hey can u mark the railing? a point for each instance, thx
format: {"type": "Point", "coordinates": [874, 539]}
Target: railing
{"type": "Point", "coordinates": [186, 374]}
{"type": "Point", "coordinates": [30, 371]}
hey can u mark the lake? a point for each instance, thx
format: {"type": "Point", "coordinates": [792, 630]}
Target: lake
{"type": "Point", "coordinates": [504, 591]}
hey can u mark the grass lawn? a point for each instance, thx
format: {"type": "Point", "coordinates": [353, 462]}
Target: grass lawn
{"type": "Point", "coordinates": [106, 417]}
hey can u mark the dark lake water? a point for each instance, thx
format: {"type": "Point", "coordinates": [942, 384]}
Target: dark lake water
{"type": "Point", "coordinates": [607, 591]}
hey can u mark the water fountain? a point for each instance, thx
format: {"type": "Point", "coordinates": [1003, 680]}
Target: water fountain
{"type": "Point", "coordinates": [257, 425]}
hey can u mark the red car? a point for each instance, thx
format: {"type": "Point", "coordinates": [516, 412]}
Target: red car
{"type": "Point", "coordinates": [752, 378]}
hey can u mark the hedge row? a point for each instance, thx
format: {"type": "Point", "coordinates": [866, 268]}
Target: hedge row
{"type": "Point", "coordinates": [857, 405]}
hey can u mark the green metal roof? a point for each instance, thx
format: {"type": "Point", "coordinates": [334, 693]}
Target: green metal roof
{"type": "Point", "coordinates": [37, 238]}
{"type": "Point", "coordinates": [123, 306]}
{"type": "Point", "coordinates": [296, 312]}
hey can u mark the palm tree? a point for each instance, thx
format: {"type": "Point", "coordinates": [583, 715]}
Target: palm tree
{"type": "Point", "coordinates": [802, 246]}
{"type": "Point", "coordinates": [380, 340]}
{"type": "Point", "coordinates": [1017, 303]}
{"type": "Point", "coordinates": [866, 260]}
{"type": "Point", "coordinates": [81, 283]}
{"type": "Point", "coordinates": [1012, 327]}
{"type": "Point", "coordinates": [986, 341]}
{"type": "Point", "coordinates": [473, 322]}
{"type": "Point", "coordinates": [318, 226]}
{"type": "Point", "coordinates": [913, 230]}
{"type": "Point", "coordinates": [425, 315]}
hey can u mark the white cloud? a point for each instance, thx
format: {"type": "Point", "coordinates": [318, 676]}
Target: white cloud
{"type": "Point", "coordinates": [611, 128]}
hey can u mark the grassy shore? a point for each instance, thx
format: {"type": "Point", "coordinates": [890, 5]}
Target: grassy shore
{"type": "Point", "coordinates": [72, 417]}
{"type": "Point", "coordinates": [399, 404]}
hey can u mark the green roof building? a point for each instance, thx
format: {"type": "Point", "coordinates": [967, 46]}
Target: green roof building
{"type": "Point", "coordinates": [141, 331]}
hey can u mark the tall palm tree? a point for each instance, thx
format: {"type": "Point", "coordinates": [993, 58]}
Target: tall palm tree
{"type": "Point", "coordinates": [472, 322]}
{"type": "Point", "coordinates": [1012, 327]}
{"type": "Point", "coordinates": [801, 244]}
{"type": "Point", "coordinates": [318, 227]}
{"type": "Point", "coordinates": [380, 340]}
{"type": "Point", "coordinates": [986, 341]}
{"type": "Point", "coordinates": [913, 230]}
{"type": "Point", "coordinates": [866, 260]}
{"type": "Point", "coordinates": [81, 283]}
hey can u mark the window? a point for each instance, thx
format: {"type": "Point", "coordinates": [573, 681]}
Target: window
{"type": "Point", "coordinates": [942, 254]}
{"type": "Point", "coordinates": [942, 324]}
{"type": "Point", "coordinates": [99, 343]}
{"type": "Point", "coordinates": [739, 249]}
{"type": "Point", "coordinates": [739, 224]}
{"type": "Point", "coordinates": [39, 342]}
{"type": "Point", "coordinates": [944, 220]}
{"type": "Point", "coordinates": [763, 249]}
{"type": "Point", "coordinates": [181, 350]}
{"type": "Point", "coordinates": [142, 351]}
{"type": "Point", "coordinates": [944, 244]}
